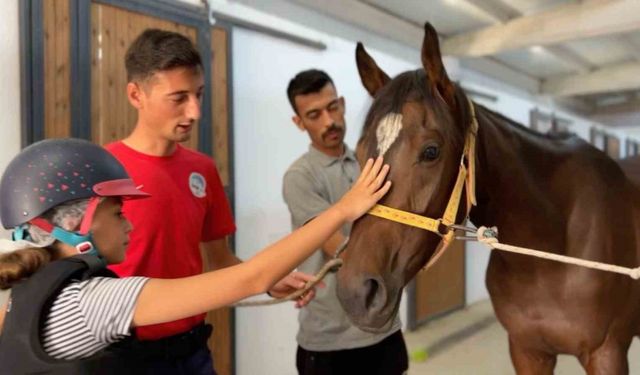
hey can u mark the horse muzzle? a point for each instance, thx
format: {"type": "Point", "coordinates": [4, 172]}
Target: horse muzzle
{"type": "Point", "coordinates": [367, 301]}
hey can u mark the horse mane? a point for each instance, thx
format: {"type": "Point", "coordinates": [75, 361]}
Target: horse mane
{"type": "Point", "coordinates": [555, 136]}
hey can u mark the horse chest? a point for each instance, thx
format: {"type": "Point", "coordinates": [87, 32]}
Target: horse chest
{"type": "Point", "coordinates": [542, 312]}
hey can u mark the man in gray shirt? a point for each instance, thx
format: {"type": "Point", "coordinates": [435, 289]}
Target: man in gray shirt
{"type": "Point", "coordinates": [327, 341]}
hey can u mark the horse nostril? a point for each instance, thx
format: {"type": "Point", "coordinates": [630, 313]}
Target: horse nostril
{"type": "Point", "coordinates": [373, 295]}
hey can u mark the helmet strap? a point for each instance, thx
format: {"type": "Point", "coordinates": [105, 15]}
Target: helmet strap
{"type": "Point", "coordinates": [81, 240]}
{"type": "Point", "coordinates": [87, 220]}
{"type": "Point", "coordinates": [20, 233]}
{"type": "Point", "coordinates": [82, 243]}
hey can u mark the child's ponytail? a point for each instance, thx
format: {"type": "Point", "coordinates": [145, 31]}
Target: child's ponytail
{"type": "Point", "coordinates": [21, 264]}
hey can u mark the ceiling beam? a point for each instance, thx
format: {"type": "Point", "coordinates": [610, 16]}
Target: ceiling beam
{"type": "Point", "coordinates": [366, 16]}
{"type": "Point", "coordinates": [369, 18]}
{"type": "Point", "coordinates": [501, 72]}
{"type": "Point", "coordinates": [632, 105]}
{"type": "Point", "coordinates": [567, 22]}
{"type": "Point", "coordinates": [501, 12]}
{"type": "Point", "coordinates": [612, 100]}
{"type": "Point", "coordinates": [631, 46]}
{"type": "Point", "coordinates": [579, 63]}
{"type": "Point", "coordinates": [495, 9]}
{"type": "Point", "coordinates": [611, 78]}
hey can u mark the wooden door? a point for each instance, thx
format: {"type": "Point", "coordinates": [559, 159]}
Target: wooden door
{"type": "Point", "coordinates": [441, 289]}
{"type": "Point", "coordinates": [57, 68]}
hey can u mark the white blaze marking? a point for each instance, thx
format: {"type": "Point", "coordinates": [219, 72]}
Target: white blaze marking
{"type": "Point", "coordinates": [388, 131]}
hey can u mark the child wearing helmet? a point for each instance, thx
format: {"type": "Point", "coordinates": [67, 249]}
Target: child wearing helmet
{"type": "Point", "coordinates": [67, 313]}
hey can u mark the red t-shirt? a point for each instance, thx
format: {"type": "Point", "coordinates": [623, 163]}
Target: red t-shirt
{"type": "Point", "coordinates": [187, 206]}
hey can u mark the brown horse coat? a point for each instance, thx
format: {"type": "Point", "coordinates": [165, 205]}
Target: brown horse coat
{"type": "Point", "coordinates": [557, 194]}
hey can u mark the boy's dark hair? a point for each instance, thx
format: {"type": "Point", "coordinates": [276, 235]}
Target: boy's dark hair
{"type": "Point", "coordinates": [156, 50]}
{"type": "Point", "coordinates": [306, 82]}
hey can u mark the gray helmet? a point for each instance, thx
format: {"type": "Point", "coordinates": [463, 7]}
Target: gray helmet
{"type": "Point", "coordinates": [55, 171]}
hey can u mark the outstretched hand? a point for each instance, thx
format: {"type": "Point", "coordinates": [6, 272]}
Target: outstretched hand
{"type": "Point", "coordinates": [368, 189]}
{"type": "Point", "coordinates": [293, 282]}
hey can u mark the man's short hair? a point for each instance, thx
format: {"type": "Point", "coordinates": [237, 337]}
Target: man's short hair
{"type": "Point", "coordinates": [306, 82]}
{"type": "Point", "coordinates": [156, 50]}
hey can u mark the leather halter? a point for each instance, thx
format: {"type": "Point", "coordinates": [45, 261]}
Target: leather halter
{"type": "Point", "coordinates": [466, 177]}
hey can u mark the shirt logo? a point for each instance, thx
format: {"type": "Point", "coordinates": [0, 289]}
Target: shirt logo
{"type": "Point", "coordinates": [198, 185]}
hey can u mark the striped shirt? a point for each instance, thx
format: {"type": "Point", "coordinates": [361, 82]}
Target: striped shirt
{"type": "Point", "coordinates": [87, 316]}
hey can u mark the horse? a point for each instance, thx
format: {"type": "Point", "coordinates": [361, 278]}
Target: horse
{"type": "Point", "coordinates": [553, 193]}
{"type": "Point", "coordinates": [631, 167]}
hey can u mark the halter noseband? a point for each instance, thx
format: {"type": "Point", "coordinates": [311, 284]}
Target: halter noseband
{"type": "Point", "coordinates": [466, 176]}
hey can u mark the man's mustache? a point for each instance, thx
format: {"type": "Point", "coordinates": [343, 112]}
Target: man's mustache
{"type": "Point", "coordinates": [333, 128]}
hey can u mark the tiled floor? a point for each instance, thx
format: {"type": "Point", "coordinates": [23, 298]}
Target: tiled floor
{"type": "Point", "coordinates": [471, 341]}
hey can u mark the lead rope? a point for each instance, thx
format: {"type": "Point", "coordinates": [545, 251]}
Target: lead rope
{"type": "Point", "coordinates": [328, 267]}
{"type": "Point", "coordinates": [333, 265]}
{"type": "Point", "coordinates": [489, 237]}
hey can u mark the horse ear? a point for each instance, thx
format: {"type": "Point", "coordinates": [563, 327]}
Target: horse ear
{"type": "Point", "coordinates": [373, 78]}
{"type": "Point", "coordinates": [433, 66]}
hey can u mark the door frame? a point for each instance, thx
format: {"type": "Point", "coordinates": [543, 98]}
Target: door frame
{"type": "Point", "coordinates": [413, 322]}
{"type": "Point", "coordinates": [32, 67]}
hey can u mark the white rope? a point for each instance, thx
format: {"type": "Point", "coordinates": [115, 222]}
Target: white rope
{"type": "Point", "coordinates": [488, 237]}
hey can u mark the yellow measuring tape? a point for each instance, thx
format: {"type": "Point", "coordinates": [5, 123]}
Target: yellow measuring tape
{"type": "Point", "coordinates": [405, 217]}
{"type": "Point", "coordinates": [422, 222]}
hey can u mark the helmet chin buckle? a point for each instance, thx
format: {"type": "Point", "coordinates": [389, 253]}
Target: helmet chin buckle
{"type": "Point", "coordinates": [84, 247]}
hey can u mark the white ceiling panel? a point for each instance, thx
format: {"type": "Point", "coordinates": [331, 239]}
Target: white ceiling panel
{"type": "Point", "coordinates": [536, 62]}
{"type": "Point", "coordinates": [449, 17]}
{"type": "Point", "coordinates": [528, 7]}
{"type": "Point", "coordinates": [601, 51]}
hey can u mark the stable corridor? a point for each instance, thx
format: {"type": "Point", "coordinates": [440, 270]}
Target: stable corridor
{"type": "Point", "coordinates": [471, 341]}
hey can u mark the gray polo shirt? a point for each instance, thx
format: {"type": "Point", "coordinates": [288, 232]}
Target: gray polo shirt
{"type": "Point", "coordinates": [311, 184]}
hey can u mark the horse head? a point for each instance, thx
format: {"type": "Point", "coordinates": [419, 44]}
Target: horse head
{"type": "Point", "coordinates": [418, 121]}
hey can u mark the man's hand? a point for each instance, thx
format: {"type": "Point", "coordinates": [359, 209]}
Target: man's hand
{"type": "Point", "coordinates": [292, 282]}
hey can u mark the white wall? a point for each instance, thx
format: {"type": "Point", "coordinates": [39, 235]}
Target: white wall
{"type": "Point", "coordinates": [10, 79]}
{"type": "Point", "coordinates": [10, 95]}
{"type": "Point", "coordinates": [320, 23]}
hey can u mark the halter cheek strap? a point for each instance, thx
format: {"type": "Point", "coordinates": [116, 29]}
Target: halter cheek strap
{"type": "Point", "coordinates": [466, 177]}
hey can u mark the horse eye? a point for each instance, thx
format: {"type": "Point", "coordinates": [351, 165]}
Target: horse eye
{"type": "Point", "coordinates": [430, 153]}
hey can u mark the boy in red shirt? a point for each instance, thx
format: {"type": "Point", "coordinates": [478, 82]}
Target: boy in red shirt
{"type": "Point", "coordinates": [188, 210]}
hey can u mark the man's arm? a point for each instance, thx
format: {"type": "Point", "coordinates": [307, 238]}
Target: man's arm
{"type": "Point", "coordinates": [216, 254]}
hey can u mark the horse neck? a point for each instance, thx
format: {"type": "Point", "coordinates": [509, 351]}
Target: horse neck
{"type": "Point", "coordinates": [510, 176]}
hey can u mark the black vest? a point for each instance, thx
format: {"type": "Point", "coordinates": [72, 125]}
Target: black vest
{"type": "Point", "coordinates": [21, 350]}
